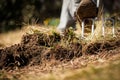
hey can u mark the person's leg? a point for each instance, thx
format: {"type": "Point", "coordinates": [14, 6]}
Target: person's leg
{"type": "Point", "coordinates": [65, 16]}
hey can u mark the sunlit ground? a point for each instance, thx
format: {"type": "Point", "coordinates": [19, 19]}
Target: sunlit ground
{"type": "Point", "coordinates": [99, 69]}
{"type": "Point", "coordinates": [14, 37]}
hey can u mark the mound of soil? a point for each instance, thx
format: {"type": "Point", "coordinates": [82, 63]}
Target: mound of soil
{"type": "Point", "coordinates": [34, 49]}
{"type": "Point", "coordinates": [21, 54]}
{"type": "Point", "coordinates": [94, 48]}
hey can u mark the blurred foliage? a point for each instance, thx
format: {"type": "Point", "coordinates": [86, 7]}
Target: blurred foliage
{"type": "Point", "coordinates": [15, 13]}
{"type": "Point", "coordinates": [51, 22]}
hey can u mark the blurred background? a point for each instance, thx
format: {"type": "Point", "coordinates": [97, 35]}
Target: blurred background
{"type": "Point", "coordinates": [16, 13]}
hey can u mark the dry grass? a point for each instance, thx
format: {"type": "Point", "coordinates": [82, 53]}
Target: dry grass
{"type": "Point", "coordinates": [95, 70]}
{"type": "Point", "coordinates": [10, 38]}
{"type": "Point", "coordinates": [83, 68]}
{"type": "Point", "coordinates": [14, 37]}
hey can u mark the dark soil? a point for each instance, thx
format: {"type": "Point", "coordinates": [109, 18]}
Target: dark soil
{"type": "Point", "coordinates": [97, 47]}
{"type": "Point", "coordinates": [34, 49]}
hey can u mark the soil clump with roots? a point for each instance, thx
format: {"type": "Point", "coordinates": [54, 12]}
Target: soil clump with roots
{"type": "Point", "coordinates": [35, 49]}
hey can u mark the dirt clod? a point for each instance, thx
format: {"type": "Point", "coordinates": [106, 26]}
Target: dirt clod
{"type": "Point", "coordinates": [35, 49]}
